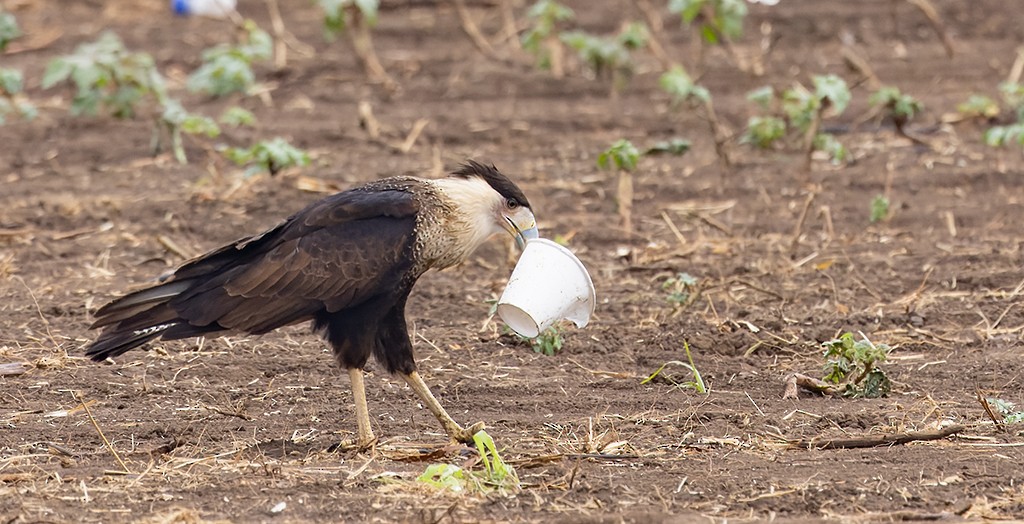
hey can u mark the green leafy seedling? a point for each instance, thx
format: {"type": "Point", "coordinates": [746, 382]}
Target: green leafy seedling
{"type": "Point", "coordinates": [764, 131]}
{"type": "Point", "coordinates": [12, 101]}
{"type": "Point", "coordinates": [805, 109]}
{"type": "Point", "coordinates": [107, 76]}
{"type": "Point", "coordinates": [338, 14]}
{"type": "Point", "coordinates": [879, 209]}
{"type": "Point", "coordinates": [1007, 410]}
{"type": "Point", "coordinates": [854, 364]}
{"type": "Point", "coordinates": [270, 156]}
{"type": "Point", "coordinates": [681, 289]}
{"type": "Point", "coordinates": [177, 121]}
{"type": "Point", "coordinates": [898, 106]}
{"type": "Point", "coordinates": [717, 20]}
{"type": "Point", "coordinates": [9, 29]}
{"type": "Point", "coordinates": [497, 476]}
{"type": "Point", "coordinates": [678, 83]}
{"type": "Point", "coordinates": [978, 106]}
{"type": "Point", "coordinates": [235, 116]}
{"type": "Point", "coordinates": [549, 342]}
{"type": "Point", "coordinates": [697, 383]}
{"type": "Point", "coordinates": [540, 39]}
{"type": "Point", "coordinates": [227, 68]}
{"type": "Point", "coordinates": [622, 155]}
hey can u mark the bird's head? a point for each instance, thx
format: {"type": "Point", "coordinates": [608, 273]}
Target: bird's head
{"type": "Point", "coordinates": [488, 203]}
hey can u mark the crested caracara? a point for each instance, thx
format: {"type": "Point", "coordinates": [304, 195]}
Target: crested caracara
{"type": "Point", "coordinates": [347, 263]}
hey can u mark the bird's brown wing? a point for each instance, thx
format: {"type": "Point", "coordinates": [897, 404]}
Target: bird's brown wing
{"type": "Point", "coordinates": [334, 254]}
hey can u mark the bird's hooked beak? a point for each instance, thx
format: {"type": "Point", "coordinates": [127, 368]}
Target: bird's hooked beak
{"type": "Point", "coordinates": [522, 226]}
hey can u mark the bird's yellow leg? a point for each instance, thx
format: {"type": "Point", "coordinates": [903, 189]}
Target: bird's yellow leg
{"type": "Point", "coordinates": [452, 428]}
{"type": "Point", "coordinates": [364, 433]}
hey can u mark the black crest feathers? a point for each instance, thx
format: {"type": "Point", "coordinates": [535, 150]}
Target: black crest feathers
{"type": "Point", "coordinates": [494, 178]}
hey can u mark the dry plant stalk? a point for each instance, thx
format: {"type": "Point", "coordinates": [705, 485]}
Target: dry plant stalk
{"type": "Point", "coordinates": [932, 15]}
{"type": "Point", "coordinates": [362, 43]}
{"type": "Point", "coordinates": [473, 31]}
{"type": "Point", "coordinates": [624, 196]}
{"type": "Point", "coordinates": [110, 447]}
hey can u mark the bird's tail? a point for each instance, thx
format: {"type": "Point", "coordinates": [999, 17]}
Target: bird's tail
{"type": "Point", "coordinates": [139, 317]}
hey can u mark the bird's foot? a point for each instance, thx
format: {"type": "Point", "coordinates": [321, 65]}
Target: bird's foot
{"type": "Point", "coordinates": [465, 435]}
{"type": "Point", "coordinates": [355, 444]}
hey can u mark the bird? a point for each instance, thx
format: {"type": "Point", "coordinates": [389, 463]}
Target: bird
{"type": "Point", "coordinates": [346, 263]}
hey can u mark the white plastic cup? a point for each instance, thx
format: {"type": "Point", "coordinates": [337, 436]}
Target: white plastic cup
{"type": "Point", "coordinates": [548, 284]}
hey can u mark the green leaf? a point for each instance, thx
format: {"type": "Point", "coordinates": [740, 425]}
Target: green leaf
{"type": "Point", "coordinates": [622, 154]}
{"type": "Point", "coordinates": [835, 150]}
{"type": "Point", "coordinates": [444, 476]}
{"type": "Point", "coordinates": [979, 106]}
{"type": "Point", "coordinates": [9, 29]}
{"type": "Point", "coordinates": [271, 156]}
{"type": "Point", "coordinates": [678, 83]}
{"type": "Point", "coordinates": [879, 208]}
{"type": "Point", "coordinates": [762, 96]}
{"type": "Point", "coordinates": [634, 36]}
{"type": "Point", "coordinates": [237, 117]}
{"type": "Point", "coordinates": [11, 81]}
{"type": "Point", "coordinates": [676, 146]}
{"type": "Point", "coordinates": [764, 131]}
{"type": "Point", "coordinates": [57, 71]}
{"type": "Point", "coordinates": [833, 89]}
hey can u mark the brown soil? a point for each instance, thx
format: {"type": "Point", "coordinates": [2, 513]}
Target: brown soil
{"type": "Point", "coordinates": [227, 429]}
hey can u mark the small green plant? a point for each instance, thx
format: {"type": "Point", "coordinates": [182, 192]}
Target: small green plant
{"type": "Point", "coordinates": [764, 131]}
{"type": "Point", "coordinates": [106, 75]}
{"type": "Point", "coordinates": [879, 208]}
{"type": "Point", "coordinates": [854, 365]}
{"type": "Point", "coordinates": [681, 289]}
{"type": "Point", "coordinates": [541, 38]}
{"type": "Point", "coordinates": [623, 156]}
{"type": "Point", "coordinates": [549, 342]}
{"type": "Point", "coordinates": [1007, 410]}
{"type": "Point", "coordinates": [697, 383]}
{"type": "Point", "coordinates": [235, 116]}
{"type": "Point", "coordinates": [9, 29]}
{"type": "Point", "coordinates": [717, 20]}
{"type": "Point", "coordinates": [497, 474]}
{"type": "Point", "coordinates": [802, 111]}
{"type": "Point", "coordinates": [270, 156]}
{"type": "Point", "coordinates": [978, 106]}
{"type": "Point", "coordinates": [227, 68]}
{"type": "Point", "coordinates": [998, 136]}
{"type": "Point", "coordinates": [109, 77]}
{"type": "Point", "coordinates": [899, 107]}
{"type": "Point", "coordinates": [683, 90]}
{"type": "Point", "coordinates": [12, 101]}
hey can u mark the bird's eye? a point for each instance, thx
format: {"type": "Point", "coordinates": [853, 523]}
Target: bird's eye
{"type": "Point", "coordinates": [512, 203]}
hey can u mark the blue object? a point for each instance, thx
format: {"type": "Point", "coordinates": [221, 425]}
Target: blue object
{"type": "Point", "coordinates": [181, 7]}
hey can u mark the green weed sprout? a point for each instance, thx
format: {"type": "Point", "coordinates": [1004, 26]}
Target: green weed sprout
{"type": "Point", "coordinates": [540, 39]}
{"type": "Point", "coordinates": [110, 77]}
{"type": "Point", "coordinates": [678, 83]}
{"type": "Point", "coordinates": [1007, 410]}
{"type": "Point", "coordinates": [622, 155]}
{"type": "Point", "coordinates": [269, 155]}
{"type": "Point", "coordinates": [898, 106]}
{"type": "Point", "coordinates": [11, 98]}
{"type": "Point", "coordinates": [697, 383]}
{"type": "Point", "coordinates": [998, 136]}
{"type": "Point", "coordinates": [9, 29]}
{"type": "Point", "coordinates": [855, 364]}
{"type": "Point", "coordinates": [235, 116]}
{"type": "Point", "coordinates": [680, 289]}
{"type": "Point", "coordinates": [338, 14]}
{"type": "Point", "coordinates": [718, 20]}
{"type": "Point", "coordinates": [549, 342]}
{"type": "Point", "coordinates": [978, 106]}
{"type": "Point", "coordinates": [227, 68]}
{"type": "Point", "coordinates": [764, 131]}
{"type": "Point", "coordinates": [805, 109]}
{"type": "Point", "coordinates": [879, 209]}
{"type": "Point", "coordinates": [496, 476]}
{"type": "Point", "coordinates": [106, 75]}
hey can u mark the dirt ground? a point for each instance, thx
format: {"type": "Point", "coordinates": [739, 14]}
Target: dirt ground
{"type": "Point", "coordinates": [228, 429]}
